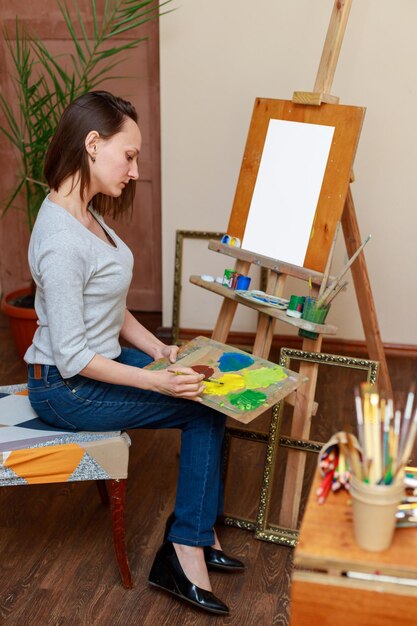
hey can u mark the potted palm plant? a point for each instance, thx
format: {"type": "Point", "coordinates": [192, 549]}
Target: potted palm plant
{"type": "Point", "coordinates": [44, 85]}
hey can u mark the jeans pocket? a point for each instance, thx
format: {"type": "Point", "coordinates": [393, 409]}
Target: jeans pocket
{"type": "Point", "coordinates": [47, 414]}
{"type": "Point", "coordinates": [75, 383]}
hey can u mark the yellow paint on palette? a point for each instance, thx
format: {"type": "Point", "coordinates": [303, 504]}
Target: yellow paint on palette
{"type": "Point", "coordinates": [230, 382]}
{"type": "Point", "coordinates": [263, 377]}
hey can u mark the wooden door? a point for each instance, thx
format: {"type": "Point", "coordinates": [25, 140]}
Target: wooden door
{"type": "Point", "coordinates": [140, 85]}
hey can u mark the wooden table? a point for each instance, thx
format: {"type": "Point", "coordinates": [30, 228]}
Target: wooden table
{"type": "Point", "coordinates": [322, 594]}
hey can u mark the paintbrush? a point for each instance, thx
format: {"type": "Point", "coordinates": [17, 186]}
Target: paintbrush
{"type": "Point", "coordinates": [390, 442]}
{"type": "Point", "coordinates": [343, 271]}
{"type": "Point", "coordinates": [370, 414]}
{"type": "Point", "coordinates": [209, 380]}
{"type": "Point", "coordinates": [376, 434]}
{"type": "Point", "coordinates": [332, 295]}
{"type": "Point", "coordinates": [408, 445]}
{"type": "Point", "coordinates": [406, 419]}
{"type": "Point", "coordinates": [359, 417]}
{"type": "Point", "coordinates": [395, 441]}
{"type": "Point", "coordinates": [385, 422]}
{"type": "Point", "coordinates": [328, 264]}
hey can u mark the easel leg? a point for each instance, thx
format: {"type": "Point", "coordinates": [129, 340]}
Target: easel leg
{"type": "Point", "coordinates": [301, 423]}
{"type": "Point", "coordinates": [266, 323]}
{"type": "Point", "coordinates": [364, 292]}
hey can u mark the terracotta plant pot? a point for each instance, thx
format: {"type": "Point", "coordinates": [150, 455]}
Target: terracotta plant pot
{"type": "Point", "coordinates": [23, 321]}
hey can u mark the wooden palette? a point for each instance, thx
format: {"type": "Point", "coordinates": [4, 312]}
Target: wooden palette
{"type": "Point", "coordinates": [241, 385]}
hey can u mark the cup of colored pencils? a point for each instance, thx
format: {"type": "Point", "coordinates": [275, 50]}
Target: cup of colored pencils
{"type": "Point", "coordinates": [386, 436]}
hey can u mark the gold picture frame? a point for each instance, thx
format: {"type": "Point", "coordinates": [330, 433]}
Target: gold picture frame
{"type": "Point", "coordinates": [180, 235]}
{"type": "Point", "coordinates": [264, 529]}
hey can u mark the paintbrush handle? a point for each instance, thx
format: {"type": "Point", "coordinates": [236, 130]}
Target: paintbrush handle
{"type": "Point", "coordinates": [395, 442]}
{"type": "Point", "coordinates": [209, 380]}
{"type": "Point", "coordinates": [344, 269]}
{"type": "Point", "coordinates": [405, 426]}
{"type": "Point", "coordinates": [329, 263]}
{"type": "Point", "coordinates": [408, 444]}
{"type": "Point", "coordinates": [332, 295]}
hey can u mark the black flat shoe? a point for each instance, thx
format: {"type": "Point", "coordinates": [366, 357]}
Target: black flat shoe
{"type": "Point", "coordinates": [215, 559]}
{"type": "Point", "coordinates": [167, 574]}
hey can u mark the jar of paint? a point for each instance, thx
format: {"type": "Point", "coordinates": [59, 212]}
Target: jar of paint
{"type": "Point", "coordinates": [228, 277]}
{"type": "Point", "coordinates": [295, 306]}
{"type": "Point", "coordinates": [243, 282]}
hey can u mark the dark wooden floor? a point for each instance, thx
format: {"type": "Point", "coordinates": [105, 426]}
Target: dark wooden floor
{"type": "Point", "coordinates": [57, 565]}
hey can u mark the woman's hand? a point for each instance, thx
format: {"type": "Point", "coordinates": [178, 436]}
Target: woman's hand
{"type": "Point", "coordinates": [179, 382]}
{"type": "Point", "coordinates": [166, 352]}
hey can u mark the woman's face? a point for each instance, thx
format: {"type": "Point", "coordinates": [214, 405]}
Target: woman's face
{"type": "Point", "coordinates": [116, 160]}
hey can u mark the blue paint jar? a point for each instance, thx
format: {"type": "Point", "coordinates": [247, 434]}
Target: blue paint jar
{"type": "Point", "coordinates": [243, 282]}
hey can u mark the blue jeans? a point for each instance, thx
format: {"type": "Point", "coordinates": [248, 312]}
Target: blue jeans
{"type": "Point", "coordinates": [81, 403]}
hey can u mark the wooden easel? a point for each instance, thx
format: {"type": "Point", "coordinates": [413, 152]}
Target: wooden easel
{"type": "Point", "coordinates": [304, 401]}
{"type": "Point", "coordinates": [321, 93]}
{"type": "Point", "coordinates": [303, 408]}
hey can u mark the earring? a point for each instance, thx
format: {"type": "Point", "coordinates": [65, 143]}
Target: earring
{"type": "Point", "coordinates": [93, 158]}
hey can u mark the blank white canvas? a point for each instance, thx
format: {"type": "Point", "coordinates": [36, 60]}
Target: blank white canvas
{"type": "Point", "coordinates": [287, 190]}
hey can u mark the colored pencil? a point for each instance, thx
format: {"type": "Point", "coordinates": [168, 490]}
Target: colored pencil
{"type": "Point", "coordinates": [325, 486]}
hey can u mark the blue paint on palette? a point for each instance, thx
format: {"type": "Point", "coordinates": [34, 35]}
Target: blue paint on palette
{"type": "Point", "coordinates": [234, 361]}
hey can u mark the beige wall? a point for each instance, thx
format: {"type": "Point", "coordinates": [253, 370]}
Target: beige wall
{"type": "Point", "coordinates": [216, 57]}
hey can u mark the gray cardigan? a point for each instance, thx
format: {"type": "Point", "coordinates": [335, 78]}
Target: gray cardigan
{"type": "Point", "coordinates": [81, 287]}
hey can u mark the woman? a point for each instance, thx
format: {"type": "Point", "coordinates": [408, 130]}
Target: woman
{"type": "Point", "coordinates": [79, 377]}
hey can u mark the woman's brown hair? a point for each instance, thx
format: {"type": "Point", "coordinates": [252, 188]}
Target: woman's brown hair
{"type": "Point", "coordinates": [67, 156]}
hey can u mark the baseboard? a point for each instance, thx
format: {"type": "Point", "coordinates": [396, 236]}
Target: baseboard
{"type": "Point", "coordinates": [333, 345]}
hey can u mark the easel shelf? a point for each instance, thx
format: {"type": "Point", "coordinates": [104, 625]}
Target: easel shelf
{"type": "Point", "coordinates": [270, 264]}
{"type": "Point", "coordinates": [226, 292]}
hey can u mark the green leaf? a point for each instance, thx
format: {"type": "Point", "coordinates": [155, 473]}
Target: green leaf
{"type": "Point", "coordinates": [95, 20]}
{"type": "Point", "coordinates": [45, 83]}
{"type": "Point", "coordinates": [71, 29]}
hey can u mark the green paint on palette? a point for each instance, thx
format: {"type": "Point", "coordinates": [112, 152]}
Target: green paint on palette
{"type": "Point", "coordinates": [263, 377]}
{"type": "Point", "coordinates": [247, 400]}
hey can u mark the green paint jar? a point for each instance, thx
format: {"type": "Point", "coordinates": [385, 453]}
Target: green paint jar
{"type": "Point", "coordinates": [314, 314]}
{"type": "Point", "coordinates": [295, 306]}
